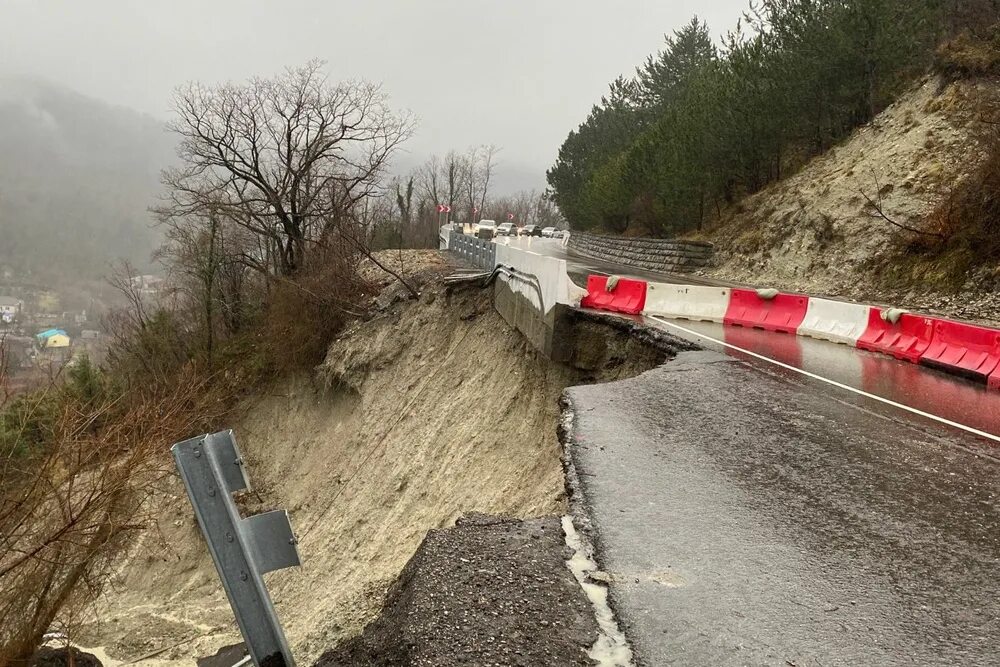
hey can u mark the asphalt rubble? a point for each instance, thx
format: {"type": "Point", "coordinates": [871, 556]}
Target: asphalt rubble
{"type": "Point", "coordinates": [488, 591]}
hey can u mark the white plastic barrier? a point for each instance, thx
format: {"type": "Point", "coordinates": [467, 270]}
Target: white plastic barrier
{"type": "Point", "coordinates": [687, 302]}
{"type": "Point", "coordinates": [553, 278]}
{"type": "Point", "coordinates": [835, 321]}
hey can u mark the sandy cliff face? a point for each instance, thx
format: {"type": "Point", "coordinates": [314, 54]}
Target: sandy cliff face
{"type": "Point", "coordinates": [815, 231]}
{"type": "Point", "coordinates": [431, 409]}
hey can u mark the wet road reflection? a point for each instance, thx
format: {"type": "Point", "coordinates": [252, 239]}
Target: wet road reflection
{"type": "Point", "coordinates": [928, 390]}
{"type": "Point", "coordinates": [925, 389]}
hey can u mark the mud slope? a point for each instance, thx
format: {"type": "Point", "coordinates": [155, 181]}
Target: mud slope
{"type": "Point", "coordinates": [430, 410]}
{"type": "Point", "coordinates": [815, 232]}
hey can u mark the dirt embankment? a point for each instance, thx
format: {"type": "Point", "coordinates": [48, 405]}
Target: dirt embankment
{"type": "Point", "coordinates": [816, 232]}
{"type": "Point", "coordinates": [431, 409]}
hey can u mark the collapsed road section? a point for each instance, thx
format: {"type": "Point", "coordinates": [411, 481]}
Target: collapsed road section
{"type": "Point", "coordinates": [429, 410]}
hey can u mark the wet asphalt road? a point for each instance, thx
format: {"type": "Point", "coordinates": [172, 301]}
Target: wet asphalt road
{"type": "Point", "coordinates": [929, 390]}
{"type": "Point", "coordinates": [752, 518]}
{"type": "Point", "coordinates": [750, 515]}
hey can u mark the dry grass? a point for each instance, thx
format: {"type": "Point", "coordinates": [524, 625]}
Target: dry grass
{"type": "Point", "coordinates": [967, 222]}
{"type": "Point", "coordinates": [68, 507]}
{"type": "Point", "coordinates": [970, 54]}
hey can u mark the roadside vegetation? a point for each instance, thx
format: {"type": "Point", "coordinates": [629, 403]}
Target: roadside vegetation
{"type": "Point", "coordinates": [267, 221]}
{"type": "Point", "coordinates": [462, 181]}
{"type": "Point", "coordinates": [271, 215]}
{"type": "Point", "coordinates": [963, 247]}
{"type": "Point", "coordinates": [700, 126]}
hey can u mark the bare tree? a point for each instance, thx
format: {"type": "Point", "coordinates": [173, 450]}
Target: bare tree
{"type": "Point", "coordinates": [442, 180]}
{"type": "Point", "coordinates": [479, 163]}
{"type": "Point", "coordinates": [282, 157]}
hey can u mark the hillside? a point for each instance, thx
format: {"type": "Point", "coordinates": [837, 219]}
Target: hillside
{"type": "Point", "coordinates": [389, 439]}
{"type": "Point", "coordinates": [815, 231]}
{"type": "Point", "coordinates": [76, 178]}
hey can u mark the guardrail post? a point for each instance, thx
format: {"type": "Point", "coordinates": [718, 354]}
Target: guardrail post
{"type": "Point", "coordinates": [243, 549]}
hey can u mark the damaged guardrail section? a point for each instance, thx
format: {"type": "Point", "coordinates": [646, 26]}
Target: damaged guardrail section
{"type": "Point", "coordinates": [528, 289]}
{"type": "Point", "coordinates": [242, 549]}
{"type": "Point", "coordinates": [528, 285]}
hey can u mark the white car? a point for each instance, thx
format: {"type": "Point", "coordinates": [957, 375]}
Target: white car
{"type": "Point", "coordinates": [506, 229]}
{"type": "Point", "coordinates": [486, 228]}
{"type": "Point", "coordinates": [548, 232]}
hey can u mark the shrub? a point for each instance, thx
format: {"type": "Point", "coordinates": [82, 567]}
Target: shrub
{"type": "Point", "coordinates": [970, 54]}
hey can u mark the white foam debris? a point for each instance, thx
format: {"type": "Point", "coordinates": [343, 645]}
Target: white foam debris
{"type": "Point", "coordinates": [611, 648]}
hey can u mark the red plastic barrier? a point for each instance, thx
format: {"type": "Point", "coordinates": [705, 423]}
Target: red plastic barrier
{"type": "Point", "coordinates": [993, 381]}
{"type": "Point", "coordinates": [907, 339]}
{"type": "Point", "coordinates": [965, 348]}
{"type": "Point", "coordinates": [628, 296]}
{"type": "Point", "coordinates": [784, 313]}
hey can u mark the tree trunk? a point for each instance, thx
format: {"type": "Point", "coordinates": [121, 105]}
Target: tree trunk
{"type": "Point", "coordinates": [209, 289]}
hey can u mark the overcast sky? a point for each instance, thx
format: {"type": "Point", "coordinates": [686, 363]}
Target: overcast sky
{"type": "Point", "coordinates": [516, 73]}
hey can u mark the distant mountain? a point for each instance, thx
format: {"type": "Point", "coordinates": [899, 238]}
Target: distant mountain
{"type": "Point", "coordinates": [76, 178]}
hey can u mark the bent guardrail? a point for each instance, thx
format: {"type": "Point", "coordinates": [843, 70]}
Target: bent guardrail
{"type": "Point", "coordinates": [242, 549]}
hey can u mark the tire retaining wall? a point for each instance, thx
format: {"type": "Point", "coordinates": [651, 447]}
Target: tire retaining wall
{"type": "Point", "coordinates": [651, 254]}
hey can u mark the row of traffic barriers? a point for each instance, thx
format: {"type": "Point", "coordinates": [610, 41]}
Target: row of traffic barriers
{"type": "Point", "coordinates": [477, 251]}
{"type": "Point", "coordinates": [961, 348]}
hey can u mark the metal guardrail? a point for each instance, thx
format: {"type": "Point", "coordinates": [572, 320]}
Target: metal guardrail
{"type": "Point", "coordinates": [480, 252]}
{"type": "Point", "coordinates": [243, 549]}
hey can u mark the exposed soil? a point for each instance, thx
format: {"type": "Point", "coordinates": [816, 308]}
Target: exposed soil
{"type": "Point", "coordinates": [489, 591]}
{"type": "Point", "coordinates": [432, 409]}
{"type": "Point", "coordinates": [815, 232]}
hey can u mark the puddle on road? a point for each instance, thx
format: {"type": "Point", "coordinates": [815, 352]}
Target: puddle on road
{"type": "Point", "coordinates": [611, 648]}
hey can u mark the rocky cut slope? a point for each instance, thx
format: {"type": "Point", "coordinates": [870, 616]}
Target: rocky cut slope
{"type": "Point", "coordinates": [822, 230]}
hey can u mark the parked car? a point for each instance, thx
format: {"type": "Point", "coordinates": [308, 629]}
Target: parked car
{"type": "Point", "coordinates": [559, 233]}
{"type": "Point", "coordinates": [531, 230]}
{"type": "Point", "coordinates": [506, 229]}
{"type": "Point", "coordinates": [548, 231]}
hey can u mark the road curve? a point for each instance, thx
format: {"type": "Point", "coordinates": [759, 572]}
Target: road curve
{"type": "Point", "coordinates": [783, 500]}
{"type": "Point", "coordinates": [920, 388]}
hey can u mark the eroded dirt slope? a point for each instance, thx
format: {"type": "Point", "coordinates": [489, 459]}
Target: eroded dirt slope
{"type": "Point", "coordinates": [816, 232]}
{"type": "Point", "coordinates": [430, 410]}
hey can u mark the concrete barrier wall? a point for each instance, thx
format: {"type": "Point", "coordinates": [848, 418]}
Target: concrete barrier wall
{"type": "Point", "coordinates": [444, 236]}
{"type": "Point", "coordinates": [653, 254]}
{"type": "Point", "coordinates": [527, 290]}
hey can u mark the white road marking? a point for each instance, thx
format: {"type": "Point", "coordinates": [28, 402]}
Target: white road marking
{"type": "Point", "coordinates": [840, 385]}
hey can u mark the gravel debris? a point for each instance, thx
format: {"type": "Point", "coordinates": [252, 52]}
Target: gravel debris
{"type": "Point", "coordinates": [489, 591]}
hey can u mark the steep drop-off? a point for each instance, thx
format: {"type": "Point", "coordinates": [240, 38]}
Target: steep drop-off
{"type": "Point", "coordinates": [429, 410]}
